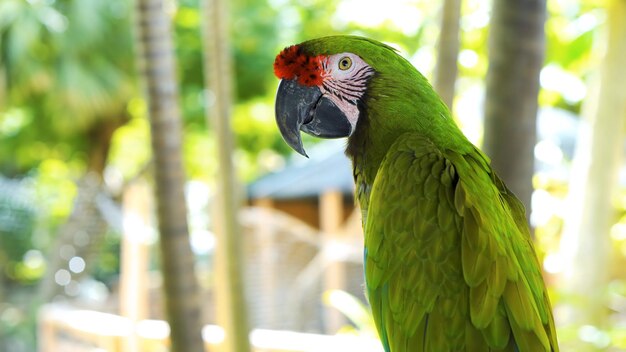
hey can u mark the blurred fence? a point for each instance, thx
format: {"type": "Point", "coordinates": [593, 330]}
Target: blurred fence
{"type": "Point", "coordinates": [67, 329]}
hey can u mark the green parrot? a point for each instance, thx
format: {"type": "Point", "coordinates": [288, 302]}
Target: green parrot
{"type": "Point", "coordinates": [448, 259]}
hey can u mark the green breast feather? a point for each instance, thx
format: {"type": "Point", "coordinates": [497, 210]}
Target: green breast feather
{"type": "Point", "coordinates": [449, 263]}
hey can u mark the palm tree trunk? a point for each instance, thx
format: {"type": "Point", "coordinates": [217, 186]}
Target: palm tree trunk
{"type": "Point", "coordinates": [448, 51]}
{"type": "Point", "coordinates": [586, 244]}
{"type": "Point", "coordinates": [177, 261]}
{"type": "Point", "coordinates": [230, 299]}
{"type": "Point", "coordinates": [516, 53]}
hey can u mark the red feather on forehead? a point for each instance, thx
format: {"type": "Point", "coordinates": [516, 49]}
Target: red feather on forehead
{"type": "Point", "coordinates": [292, 63]}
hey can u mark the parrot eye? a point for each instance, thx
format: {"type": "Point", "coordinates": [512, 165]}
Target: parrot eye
{"type": "Point", "coordinates": [345, 63]}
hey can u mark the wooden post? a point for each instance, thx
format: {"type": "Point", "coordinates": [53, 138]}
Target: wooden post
{"type": "Point", "coordinates": [229, 289]}
{"type": "Point", "coordinates": [47, 341]}
{"type": "Point", "coordinates": [267, 267]}
{"type": "Point", "coordinates": [135, 258]}
{"type": "Point", "coordinates": [331, 218]}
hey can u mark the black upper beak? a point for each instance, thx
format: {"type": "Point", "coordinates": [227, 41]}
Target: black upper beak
{"type": "Point", "coordinates": [306, 109]}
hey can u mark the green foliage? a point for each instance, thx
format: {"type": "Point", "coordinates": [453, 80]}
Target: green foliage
{"type": "Point", "coordinates": [358, 313]}
{"type": "Point", "coordinates": [30, 209]}
{"type": "Point", "coordinates": [17, 222]}
{"type": "Point", "coordinates": [66, 66]}
{"type": "Point", "coordinates": [130, 145]}
{"type": "Point", "coordinates": [255, 34]}
{"type": "Point", "coordinates": [107, 267]}
{"type": "Point", "coordinates": [21, 264]}
{"type": "Point", "coordinates": [254, 127]}
{"type": "Point", "coordinates": [188, 42]}
{"type": "Point", "coordinates": [572, 37]}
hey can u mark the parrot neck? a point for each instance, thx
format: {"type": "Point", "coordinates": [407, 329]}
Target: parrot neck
{"type": "Point", "coordinates": [386, 117]}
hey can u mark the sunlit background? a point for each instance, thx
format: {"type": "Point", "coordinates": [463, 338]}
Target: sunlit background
{"type": "Point", "coordinates": [76, 171]}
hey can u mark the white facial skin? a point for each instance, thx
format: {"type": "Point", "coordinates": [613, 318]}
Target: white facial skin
{"type": "Point", "coordinates": [345, 81]}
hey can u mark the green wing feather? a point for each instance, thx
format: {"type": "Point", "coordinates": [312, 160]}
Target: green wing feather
{"type": "Point", "coordinates": [449, 263]}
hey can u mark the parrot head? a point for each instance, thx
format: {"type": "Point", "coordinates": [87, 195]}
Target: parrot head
{"type": "Point", "coordinates": [318, 93]}
{"type": "Point", "coordinates": [332, 87]}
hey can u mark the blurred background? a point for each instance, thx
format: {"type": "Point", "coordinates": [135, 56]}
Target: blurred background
{"type": "Point", "coordinates": [80, 265]}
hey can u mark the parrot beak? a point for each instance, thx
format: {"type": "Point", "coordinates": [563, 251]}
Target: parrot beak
{"type": "Point", "coordinates": [306, 109]}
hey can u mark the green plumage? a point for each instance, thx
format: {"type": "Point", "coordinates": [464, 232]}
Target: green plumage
{"type": "Point", "coordinates": [449, 263]}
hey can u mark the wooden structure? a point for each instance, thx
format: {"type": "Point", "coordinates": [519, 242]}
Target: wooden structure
{"type": "Point", "coordinates": [134, 259]}
{"type": "Point", "coordinates": [298, 189]}
{"type": "Point", "coordinates": [289, 266]}
{"type": "Point", "coordinates": [67, 329]}
{"type": "Point", "coordinates": [319, 192]}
